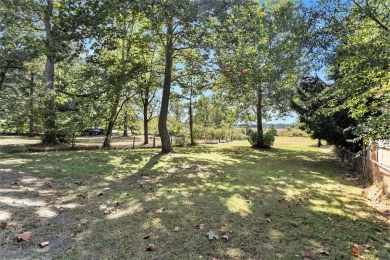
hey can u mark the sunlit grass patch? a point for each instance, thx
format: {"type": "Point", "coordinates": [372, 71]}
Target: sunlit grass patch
{"type": "Point", "coordinates": [271, 204]}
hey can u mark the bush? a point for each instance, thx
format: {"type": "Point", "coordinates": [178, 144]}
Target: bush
{"type": "Point", "coordinates": [267, 139]}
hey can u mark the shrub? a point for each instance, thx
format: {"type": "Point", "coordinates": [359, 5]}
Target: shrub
{"type": "Point", "coordinates": [267, 139]}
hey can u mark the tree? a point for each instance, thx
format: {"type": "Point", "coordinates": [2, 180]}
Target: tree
{"type": "Point", "coordinates": [179, 25]}
{"type": "Point", "coordinates": [261, 55]}
{"type": "Point", "coordinates": [352, 42]}
{"type": "Point", "coordinates": [59, 26]}
{"type": "Point", "coordinates": [317, 117]}
{"type": "Point", "coordinates": [116, 53]}
{"type": "Point", "coordinates": [147, 84]}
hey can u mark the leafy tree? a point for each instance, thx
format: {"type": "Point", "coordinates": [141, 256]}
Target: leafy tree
{"type": "Point", "coordinates": [313, 104]}
{"type": "Point", "coordinates": [148, 84]}
{"type": "Point", "coordinates": [261, 55]}
{"type": "Point", "coordinates": [357, 34]}
{"type": "Point", "coordinates": [180, 25]}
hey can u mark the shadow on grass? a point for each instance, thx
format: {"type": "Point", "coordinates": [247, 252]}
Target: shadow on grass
{"type": "Point", "coordinates": [271, 204]}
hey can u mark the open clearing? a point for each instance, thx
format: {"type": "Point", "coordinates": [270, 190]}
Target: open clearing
{"type": "Point", "coordinates": [270, 204]}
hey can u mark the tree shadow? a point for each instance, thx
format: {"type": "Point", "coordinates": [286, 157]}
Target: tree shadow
{"type": "Point", "coordinates": [271, 204]}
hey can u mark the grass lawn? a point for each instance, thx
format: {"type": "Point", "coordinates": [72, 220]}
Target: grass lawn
{"type": "Point", "coordinates": [270, 204]}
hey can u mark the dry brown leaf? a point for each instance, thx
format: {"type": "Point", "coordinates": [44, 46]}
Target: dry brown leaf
{"type": "Point", "coordinates": [268, 220]}
{"type": "Point", "coordinates": [3, 225]}
{"type": "Point", "coordinates": [110, 211]}
{"type": "Point", "coordinates": [70, 249]}
{"type": "Point", "coordinates": [146, 236]}
{"type": "Point", "coordinates": [151, 247]}
{"type": "Point", "coordinates": [177, 229]}
{"type": "Point", "coordinates": [324, 251]}
{"type": "Point", "coordinates": [160, 210]}
{"type": "Point", "coordinates": [226, 237]}
{"type": "Point", "coordinates": [306, 254]}
{"type": "Point", "coordinates": [84, 223]}
{"type": "Point", "coordinates": [355, 250]}
{"type": "Point", "coordinates": [90, 212]}
{"type": "Point", "coordinates": [199, 226]}
{"type": "Point", "coordinates": [44, 244]}
{"type": "Point", "coordinates": [24, 236]}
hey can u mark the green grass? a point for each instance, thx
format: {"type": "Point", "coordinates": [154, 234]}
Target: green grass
{"type": "Point", "coordinates": [272, 204]}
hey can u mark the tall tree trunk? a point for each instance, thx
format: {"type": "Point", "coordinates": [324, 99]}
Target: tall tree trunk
{"type": "Point", "coordinates": [146, 123]}
{"type": "Point", "coordinates": [162, 122]}
{"type": "Point", "coordinates": [126, 122]}
{"type": "Point", "coordinates": [2, 79]}
{"type": "Point", "coordinates": [115, 105]}
{"type": "Point", "coordinates": [31, 104]}
{"type": "Point", "coordinates": [50, 117]}
{"type": "Point", "coordinates": [191, 120]}
{"type": "Point", "coordinates": [259, 117]}
{"type": "Point", "coordinates": [111, 122]}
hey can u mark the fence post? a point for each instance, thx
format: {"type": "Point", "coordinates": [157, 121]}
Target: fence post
{"type": "Point", "coordinates": [133, 142]}
{"type": "Point", "coordinates": [73, 140]}
{"type": "Point", "coordinates": [154, 141]}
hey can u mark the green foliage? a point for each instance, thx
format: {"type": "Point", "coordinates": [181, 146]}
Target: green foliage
{"type": "Point", "coordinates": [318, 118]}
{"type": "Point", "coordinates": [267, 139]}
{"type": "Point", "coordinates": [358, 34]}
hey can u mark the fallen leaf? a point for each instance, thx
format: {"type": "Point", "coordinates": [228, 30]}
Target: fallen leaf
{"type": "Point", "coordinates": [177, 229]}
{"type": "Point", "coordinates": [199, 226]}
{"type": "Point", "coordinates": [226, 237]}
{"type": "Point", "coordinates": [70, 249]}
{"type": "Point", "coordinates": [146, 236]}
{"type": "Point", "coordinates": [151, 247]}
{"type": "Point", "coordinates": [44, 244]}
{"type": "Point", "coordinates": [24, 236]}
{"type": "Point", "coordinates": [73, 235]}
{"type": "Point", "coordinates": [355, 250]}
{"type": "Point", "coordinates": [84, 223]}
{"type": "Point", "coordinates": [306, 254]}
{"type": "Point", "coordinates": [160, 210]}
{"type": "Point", "coordinates": [212, 235]}
{"type": "Point", "coordinates": [90, 212]}
{"type": "Point", "coordinates": [268, 220]}
{"type": "Point", "coordinates": [324, 251]}
{"type": "Point", "coordinates": [3, 225]}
